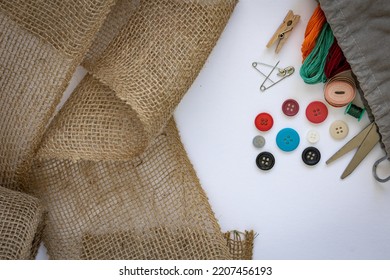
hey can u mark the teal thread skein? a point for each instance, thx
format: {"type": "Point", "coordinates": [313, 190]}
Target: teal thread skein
{"type": "Point", "coordinates": [312, 69]}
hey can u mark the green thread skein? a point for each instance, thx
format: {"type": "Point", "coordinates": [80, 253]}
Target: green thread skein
{"type": "Point", "coordinates": [312, 69]}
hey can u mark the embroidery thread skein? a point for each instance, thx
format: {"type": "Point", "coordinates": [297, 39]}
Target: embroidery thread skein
{"type": "Point", "coordinates": [312, 69]}
{"type": "Point", "coordinates": [335, 61]}
{"type": "Point", "coordinates": [313, 29]}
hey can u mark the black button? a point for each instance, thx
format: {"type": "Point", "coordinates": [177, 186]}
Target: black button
{"type": "Point", "coordinates": [265, 161]}
{"type": "Point", "coordinates": [311, 156]}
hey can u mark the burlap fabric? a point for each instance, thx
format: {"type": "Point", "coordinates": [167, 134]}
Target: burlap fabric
{"type": "Point", "coordinates": [41, 43]}
{"type": "Point", "coordinates": [111, 169]}
{"type": "Point", "coordinates": [149, 65]}
{"type": "Point", "coordinates": [21, 225]}
{"type": "Point", "coordinates": [240, 244]}
{"type": "Point", "coordinates": [151, 207]}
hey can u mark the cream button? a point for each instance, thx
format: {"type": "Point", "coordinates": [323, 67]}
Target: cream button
{"type": "Point", "coordinates": [313, 136]}
{"type": "Point", "coordinates": [338, 129]}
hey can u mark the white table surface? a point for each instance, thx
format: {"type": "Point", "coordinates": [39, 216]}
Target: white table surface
{"type": "Point", "coordinates": [299, 212]}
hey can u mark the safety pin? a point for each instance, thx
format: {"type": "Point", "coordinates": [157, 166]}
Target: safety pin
{"type": "Point", "coordinates": [283, 72]}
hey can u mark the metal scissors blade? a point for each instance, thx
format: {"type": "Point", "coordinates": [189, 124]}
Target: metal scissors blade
{"type": "Point", "coordinates": [364, 141]}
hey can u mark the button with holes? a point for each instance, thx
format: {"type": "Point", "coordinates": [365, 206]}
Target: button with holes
{"type": "Point", "coordinates": [290, 107]}
{"type": "Point", "coordinates": [287, 139]}
{"type": "Point", "coordinates": [311, 156]}
{"type": "Point", "coordinates": [339, 93]}
{"type": "Point", "coordinates": [313, 136]}
{"type": "Point", "coordinates": [258, 141]}
{"type": "Point", "coordinates": [265, 161]}
{"type": "Point", "coordinates": [264, 121]}
{"type": "Point", "coordinates": [338, 130]}
{"type": "Point", "coordinates": [316, 112]}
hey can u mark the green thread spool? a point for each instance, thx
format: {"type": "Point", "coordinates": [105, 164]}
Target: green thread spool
{"type": "Point", "coordinates": [355, 111]}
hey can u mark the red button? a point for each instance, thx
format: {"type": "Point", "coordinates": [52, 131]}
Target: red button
{"type": "Point", "coordinates": [316, 112]}
{"type": "Point", "coordinates": [264, 121]}
{"type": "Point", "coordinates": [290, 107]}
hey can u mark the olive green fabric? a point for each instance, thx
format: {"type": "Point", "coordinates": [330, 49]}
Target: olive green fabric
{"type": "Point", "coordinates": [362, 30]}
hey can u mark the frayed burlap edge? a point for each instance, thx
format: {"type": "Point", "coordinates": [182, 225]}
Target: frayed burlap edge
{"type": "Point", "coordinates": [240, 244]}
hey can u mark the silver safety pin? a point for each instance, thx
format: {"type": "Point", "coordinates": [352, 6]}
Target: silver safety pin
{"type": "Point", "coordinates": [282, 72]}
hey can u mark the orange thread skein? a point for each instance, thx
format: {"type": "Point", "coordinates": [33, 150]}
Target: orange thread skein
{"type": "Point", "coordinates": [313, 29]}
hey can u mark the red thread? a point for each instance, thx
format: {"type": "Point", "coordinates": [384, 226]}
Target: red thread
{"type": "Point", "coordinates": [335, 61]}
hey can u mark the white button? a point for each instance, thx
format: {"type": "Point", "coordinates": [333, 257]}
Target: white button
{"type": "Point", "coordinates": [338, 129]}
{"type": "Point", "coordinates": [313, 136]}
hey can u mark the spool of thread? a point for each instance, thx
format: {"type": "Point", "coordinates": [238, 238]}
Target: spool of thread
{"type": "Point", "coordinates": [355, 111]}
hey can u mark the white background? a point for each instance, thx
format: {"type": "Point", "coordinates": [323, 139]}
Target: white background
{"type": "Point", "coordinates": [299, 212]}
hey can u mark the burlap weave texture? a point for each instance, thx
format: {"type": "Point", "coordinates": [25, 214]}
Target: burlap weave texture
{"type": "Point", "coordinates": [149, 65]}
{"type": "Point", "coordinates": [21, 225]}
{"type": "Point", "coordinates": [67, 25]}
{"type": "Point", "coordinates": [240, 244]}
{"type": "Point", "coordinates": [111, 169]}
{"type": "Point", "coordinates": [94, 125]}
{"type": "Point", "coordinates": [41, 43]}
{"type": "Point", "coordinates": [129, 209]}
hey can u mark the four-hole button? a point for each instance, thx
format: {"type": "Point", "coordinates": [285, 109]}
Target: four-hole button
{"type": "Point", "coordinates": [265, 161]}
{"type": "Point", "coordinates": [264, 121]}
{"type": "Point", "coordinates": [290, 107]}
{"type": "Point", "coordinates": [338, 129]}
{"type": "Point", "coordinates": [316, 112]}
{"type": "Point", "coordinates": [287, 139]}
{"type": "Point", "coordinates": [311, 156]}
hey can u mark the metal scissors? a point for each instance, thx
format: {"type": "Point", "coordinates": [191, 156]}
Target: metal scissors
{"type": "Point", "coordinates": [365, 141]}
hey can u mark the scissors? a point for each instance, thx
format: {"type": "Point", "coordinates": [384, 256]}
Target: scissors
{"type": "Point", "coordinates": [365, 141]}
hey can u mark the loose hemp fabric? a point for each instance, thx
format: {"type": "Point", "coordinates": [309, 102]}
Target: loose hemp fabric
{"type": "Point", "coordinates": [41, 43]}
{"type": "Point", "coordinates": [111, 169]}
{"type": "Point", "coordinates": [21, 225]}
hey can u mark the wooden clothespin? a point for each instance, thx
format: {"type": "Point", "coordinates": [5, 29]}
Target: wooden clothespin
{"type": "Point", "coordinates": [284, 30]}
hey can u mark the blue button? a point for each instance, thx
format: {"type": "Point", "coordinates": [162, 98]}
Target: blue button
{"type": "Point", "coordinates": [287, 139]}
